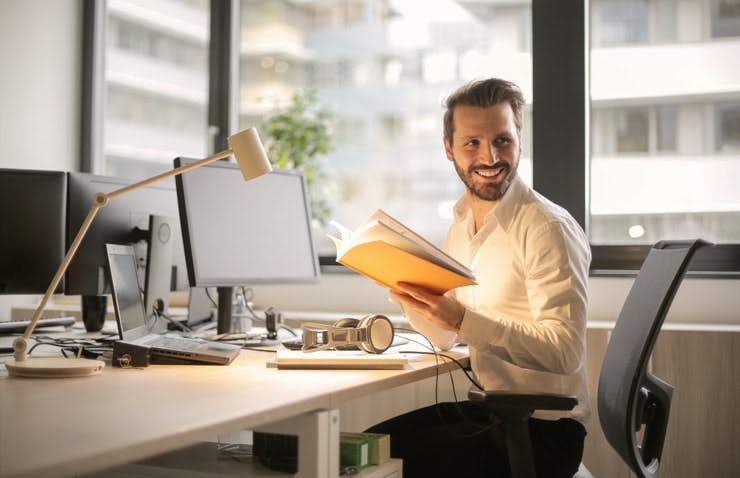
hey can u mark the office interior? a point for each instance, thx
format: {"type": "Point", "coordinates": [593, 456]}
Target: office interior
{"type": "Point", "coordinates": [41, 60]}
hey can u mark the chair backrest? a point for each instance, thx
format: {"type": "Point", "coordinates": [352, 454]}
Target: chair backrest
{"type": "Point", "coordinates": [629, 396]}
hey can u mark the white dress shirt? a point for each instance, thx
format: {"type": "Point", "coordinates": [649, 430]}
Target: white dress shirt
{"type": "Point", "coordinates": [525, 320]}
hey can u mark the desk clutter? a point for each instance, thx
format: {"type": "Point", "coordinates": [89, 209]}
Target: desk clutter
{"type": "Point", "coordinates": [356, 451]}
{"type": "Point", "coordinates": [219, 459]}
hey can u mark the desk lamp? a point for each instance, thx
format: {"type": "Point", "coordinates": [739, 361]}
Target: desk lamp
{"type": "Point", "coordinates": [252, 159]}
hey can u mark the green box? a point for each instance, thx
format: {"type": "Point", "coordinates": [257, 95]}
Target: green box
{"type": "Point", "coordinates": [354, 451]}
{"type": "Point", "coordinates": [380, 445]}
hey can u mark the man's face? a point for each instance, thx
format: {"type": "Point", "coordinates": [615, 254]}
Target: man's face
{"type": "Point", "coordinates": [485, 149]}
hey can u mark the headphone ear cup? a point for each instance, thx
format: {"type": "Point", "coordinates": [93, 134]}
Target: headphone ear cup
{"type": "Point", "coordinates": [347, 323]}
{"type": "Point", "coordinates": [379, 333]}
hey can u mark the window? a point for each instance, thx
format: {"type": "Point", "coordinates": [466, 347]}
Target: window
{"type": "Point", "coordinates": [383, 68]}
{"type": "Point", "coordinates": [728, 128]}
{"type": "Point", "coordinates": [725, 16]}
{"type": "Point", "coordinates": [664, 108]}
{"type": "Point", "coordinates": [155, 82]}
{"type": "Point", "coordinates": [665, 125]}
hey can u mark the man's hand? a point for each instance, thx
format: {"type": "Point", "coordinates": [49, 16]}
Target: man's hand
{"type": "Point", "coordinates": [443, 311]}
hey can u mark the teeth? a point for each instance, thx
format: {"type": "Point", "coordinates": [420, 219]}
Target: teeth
{"type": "Point", "coordinates": [488, 173]}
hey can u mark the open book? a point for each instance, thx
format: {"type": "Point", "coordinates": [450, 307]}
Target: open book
{"type": "Point", "coordinates": [388, 252]}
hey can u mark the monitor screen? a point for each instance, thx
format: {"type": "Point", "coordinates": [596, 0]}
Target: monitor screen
{"type": "Point", "coordinates": [124, 220]}
{"type": "Point", "coordinates": [240, 233]}
{"type": "Point", "coordinates": [32, 218]}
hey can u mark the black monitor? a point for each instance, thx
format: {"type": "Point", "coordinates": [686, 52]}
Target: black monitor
{"type": "Point", "coordinates": [241, 233]}
{"type": "Point", "coordinates": [124, 220]}
{"type": "Point", "coordinates": [32, 215]}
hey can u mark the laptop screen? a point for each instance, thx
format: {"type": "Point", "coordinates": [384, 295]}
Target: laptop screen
{"type": "Point", "coordinates": [127, 298]}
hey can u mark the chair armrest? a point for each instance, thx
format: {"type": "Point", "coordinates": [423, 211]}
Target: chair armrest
{"type": "Point", "coordinates": [508, 400]}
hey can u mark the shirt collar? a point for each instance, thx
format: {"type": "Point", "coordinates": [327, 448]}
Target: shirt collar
{"type": "Point", "coordinates": [505, 210]}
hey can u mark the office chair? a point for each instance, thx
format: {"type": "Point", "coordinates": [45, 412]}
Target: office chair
{"type": "Point", "coordinates": [630, 399]}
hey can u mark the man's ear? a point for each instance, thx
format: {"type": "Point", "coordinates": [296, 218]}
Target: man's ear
{"type": "Point", "coordinates": [448, 150]}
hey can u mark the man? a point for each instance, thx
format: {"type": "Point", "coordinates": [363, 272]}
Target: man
{"type": "Point", "coordinates": [524, 321]}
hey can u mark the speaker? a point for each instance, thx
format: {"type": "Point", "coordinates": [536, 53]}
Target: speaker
{"type": "Point", "coordinates": [373, 334]}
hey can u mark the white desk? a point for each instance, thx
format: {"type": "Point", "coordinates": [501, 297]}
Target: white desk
{"type": "Point", "coordinates": [61, 427]}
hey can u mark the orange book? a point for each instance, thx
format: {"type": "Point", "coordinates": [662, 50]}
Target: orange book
{"type": "Point", "coordinates": [388, 252]}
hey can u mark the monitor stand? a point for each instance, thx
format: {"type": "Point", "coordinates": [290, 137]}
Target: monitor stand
{"type": "Point", "coordinates": [157, 283]}
{"type": "Point", "coordinates": [223, 316]}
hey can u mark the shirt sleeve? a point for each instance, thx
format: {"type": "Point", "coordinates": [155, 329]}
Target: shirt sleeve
{"type": "Point", "coordinates": [441, 338]}
{"type": "Point", "coordinates": [552, 339]}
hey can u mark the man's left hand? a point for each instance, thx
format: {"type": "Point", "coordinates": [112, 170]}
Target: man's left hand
{"type": "Point", "coordinates": [443, 311]}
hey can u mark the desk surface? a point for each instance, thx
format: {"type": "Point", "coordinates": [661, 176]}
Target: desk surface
{"type": "Point", "coordinates": [56, 427]}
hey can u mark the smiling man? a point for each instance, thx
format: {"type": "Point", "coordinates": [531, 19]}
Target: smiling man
{"type": "Point", "coordinates": [524, 321]}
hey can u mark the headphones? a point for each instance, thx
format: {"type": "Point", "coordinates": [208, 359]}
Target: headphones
{"type": "Point", "coordinates": [373, 334]}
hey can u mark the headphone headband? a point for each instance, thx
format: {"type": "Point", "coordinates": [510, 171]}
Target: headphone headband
{"type": "Point", "coordinates": [373, 334]}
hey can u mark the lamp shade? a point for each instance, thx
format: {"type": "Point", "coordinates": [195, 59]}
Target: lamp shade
{"type": "Point", "coordinates": [249, 153]}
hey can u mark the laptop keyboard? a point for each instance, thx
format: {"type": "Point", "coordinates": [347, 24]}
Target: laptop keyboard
{"type": "Point", "coordinates": [175, 343]}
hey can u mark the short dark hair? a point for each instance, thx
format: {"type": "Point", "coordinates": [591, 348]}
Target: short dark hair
{"type": "Point", "coordinates": [484, 93]}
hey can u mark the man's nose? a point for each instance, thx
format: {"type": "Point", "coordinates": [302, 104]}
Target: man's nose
{"type": "Point", "coordinates": [489, 155]}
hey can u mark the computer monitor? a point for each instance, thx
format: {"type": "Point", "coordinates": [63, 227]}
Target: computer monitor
{"type": "Point", "coordinates": [124, 220]}
{"type": "Point", "coordinates": [32, 226]}
{"type": "Point", "coordinates": [238, 233]}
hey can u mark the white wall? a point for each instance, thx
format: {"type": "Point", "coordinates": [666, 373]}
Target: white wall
{"type": "Point", "coordinates": [40, 67]}
{"type": "Point", "coordinates": [40, 61]}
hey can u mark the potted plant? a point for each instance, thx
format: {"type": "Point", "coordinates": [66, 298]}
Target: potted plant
{"type": "Point", "coordinates": [299, 137]}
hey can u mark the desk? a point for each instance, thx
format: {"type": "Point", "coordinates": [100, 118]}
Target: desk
{"type": "Point", "coordinates": [61, 427]}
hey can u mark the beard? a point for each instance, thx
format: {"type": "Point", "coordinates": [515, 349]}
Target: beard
{"type": "Point", "coordinates": [488, 190]}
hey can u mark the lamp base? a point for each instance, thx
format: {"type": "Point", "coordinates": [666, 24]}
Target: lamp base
{"type": "Point", "coordinates": [54, 367]}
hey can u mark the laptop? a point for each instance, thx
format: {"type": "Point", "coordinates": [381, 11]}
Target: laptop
{"type": "Point", "coordinates": [133, 327]}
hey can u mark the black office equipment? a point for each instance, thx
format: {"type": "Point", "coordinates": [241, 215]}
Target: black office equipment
{"type": "Point", "coordinates": [134, 330]}
{"type": "Point", "coordinates": [123, 221]}
{"type": "Point", "coordinates": [19, 326]}
{"type": "Point", "coordinates": [240, 234]}
{"type": "Point", "coordinates": [33, 207]}
{"type": "Point", "coordinates": [630, 398]}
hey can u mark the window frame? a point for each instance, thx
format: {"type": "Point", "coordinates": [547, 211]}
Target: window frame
{"type": "Point", "coordinates": [560, 43]}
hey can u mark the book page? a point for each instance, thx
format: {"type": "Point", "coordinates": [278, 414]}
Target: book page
{"type": "Point", "coordinates": [436, 254]}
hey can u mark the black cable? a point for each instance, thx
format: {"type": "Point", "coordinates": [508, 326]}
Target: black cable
{"type": "Point", "coordinates": [285, 327]}
{"type": "Point", "coordinates": [182, 327]}
{"type": "Point", "coordinates": [445, 423]}
{"type": "Point", "coordinates": [453, 359]}
{"type": "Point", "coordinates": [210, 297]}
{"type": "Point", "coordinates": [430, 346]}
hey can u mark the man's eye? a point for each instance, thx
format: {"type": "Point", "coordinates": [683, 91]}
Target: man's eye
{"type": "Point", "coordinates": [472, 142]}
{"type": "Point", "coordinates": [503, 141]}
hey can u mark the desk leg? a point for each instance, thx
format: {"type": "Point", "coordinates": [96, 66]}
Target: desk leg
{"type": "Point", "coordinates": [318, 442]}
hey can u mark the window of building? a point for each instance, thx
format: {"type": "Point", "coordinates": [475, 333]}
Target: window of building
{"type": "Point", "coordinates": [727, 118]}
{"type": "Point", "coordinates": [660, 159]}
{"type": "Point", "coordinates": [155, 85]}
{"type": "Point", "coordinates": [725, 16]}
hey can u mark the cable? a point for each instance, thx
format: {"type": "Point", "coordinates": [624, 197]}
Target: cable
{"type": "Point", "coordinates": [182, 327]}
{"type": "Point", "coordinates": [443, 421]}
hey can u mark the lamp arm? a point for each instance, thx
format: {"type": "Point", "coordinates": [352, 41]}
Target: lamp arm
{"type": "Point", "coordinates": [20, 344]}
{"type": "Point", "coordinates": [170, 173]}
